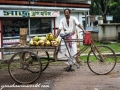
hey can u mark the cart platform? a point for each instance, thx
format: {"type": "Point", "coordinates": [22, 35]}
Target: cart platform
{"type": "Point", "coordinates": [52, 50]}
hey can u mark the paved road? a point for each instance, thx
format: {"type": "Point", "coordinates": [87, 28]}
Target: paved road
{"type": "Point", "coordinates": [55, 78]}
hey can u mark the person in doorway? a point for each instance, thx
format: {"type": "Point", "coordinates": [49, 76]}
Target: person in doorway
{"type": "Point", "coordinates": [13, 33]}
{"type": "Point", "coordinates": [68, 25]}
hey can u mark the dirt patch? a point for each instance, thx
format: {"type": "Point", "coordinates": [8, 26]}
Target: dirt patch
{"type": "Point", "coordinates": [57, 79]}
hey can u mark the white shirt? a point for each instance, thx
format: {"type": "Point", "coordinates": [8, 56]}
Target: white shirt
{"type": "Point", "coordinates": [72, 24]}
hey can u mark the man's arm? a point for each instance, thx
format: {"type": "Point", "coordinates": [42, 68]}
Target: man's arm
{"type": "Point", "coordinates": [58, 32]}
{"type": "Point", "coordinates": [80, 26]}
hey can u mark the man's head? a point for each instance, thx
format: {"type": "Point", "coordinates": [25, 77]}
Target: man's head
{"type": "Point", "coordinates": [13, 32]}
{"type": "Point", "coordinates": [67, 13]}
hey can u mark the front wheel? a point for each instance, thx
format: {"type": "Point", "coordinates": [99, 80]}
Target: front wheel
{"type": "Point", "coordinates": [103, 62]}
{"type": "Point", "coordinates": [23, 68]}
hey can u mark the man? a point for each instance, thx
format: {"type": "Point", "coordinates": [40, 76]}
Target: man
{"type": "Point", "coordinates": [13, 33]}
{"type": "Point", "coordinates": [68, 25]}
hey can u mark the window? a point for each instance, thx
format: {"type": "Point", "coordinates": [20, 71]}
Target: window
{"type": "Point", "coordinates": [13, 24]}
{"type": "Point", "coordinates": [40, 25]}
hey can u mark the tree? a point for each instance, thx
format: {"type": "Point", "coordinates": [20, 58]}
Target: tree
{"type": "Point", "coordinates": [114, 8]}
{"type": "Point", "coordinates": [102, 6]}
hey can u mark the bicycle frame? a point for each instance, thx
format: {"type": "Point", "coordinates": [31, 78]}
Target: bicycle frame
{"type": "Point", "coordinates": [92, 46]}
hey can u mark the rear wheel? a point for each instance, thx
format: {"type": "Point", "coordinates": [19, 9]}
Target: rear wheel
{"type": "Point", "coordinates": [101, 65]}
{"type": "Point", "coordinates": [23, 68]}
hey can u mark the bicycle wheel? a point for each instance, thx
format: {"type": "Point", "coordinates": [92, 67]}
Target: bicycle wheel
{"type": "Point", "coordinates": [101, 65]}
{"type": "Point", "coordinates": [23, 68]}
{"type": "Point", "coordinates": [45, 61]}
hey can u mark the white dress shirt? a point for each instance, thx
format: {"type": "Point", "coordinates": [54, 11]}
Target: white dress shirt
{"type": "Point", "coordinates": [72, 24]}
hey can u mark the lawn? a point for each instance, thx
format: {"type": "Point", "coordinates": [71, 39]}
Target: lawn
{"type": "Point", "coordinates": [113, 46]}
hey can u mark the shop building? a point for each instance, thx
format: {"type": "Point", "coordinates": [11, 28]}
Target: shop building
{"type": "Point", "coordinates": [39, 17]}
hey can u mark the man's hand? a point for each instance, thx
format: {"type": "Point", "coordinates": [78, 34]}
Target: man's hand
{"type": "Point", "coordinates": [85, 31]}
{"type": "Point", "coordinates": [55, 36]}
{"type": "Point", "coordinates": [58, 32]}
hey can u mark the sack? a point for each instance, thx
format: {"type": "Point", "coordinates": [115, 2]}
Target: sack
{"type": "Point", "coordinates": [87, 38]}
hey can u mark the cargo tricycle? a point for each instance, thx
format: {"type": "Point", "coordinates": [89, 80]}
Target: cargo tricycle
{"type": "Point", "coordinates": [27, 64]}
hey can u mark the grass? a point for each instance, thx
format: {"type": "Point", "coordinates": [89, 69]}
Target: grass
{"type": "Point", "coordinates": [3, 66]}
{"type": "Point", "coordinates": [113, 46]}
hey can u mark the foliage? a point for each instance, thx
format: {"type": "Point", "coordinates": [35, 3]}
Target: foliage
{"type": "Point", "coordinates": [101, 5]}
{"type": "Point", "coordinates": [114, 8]}
{"type": "Point", "coordinates": [105, 7]}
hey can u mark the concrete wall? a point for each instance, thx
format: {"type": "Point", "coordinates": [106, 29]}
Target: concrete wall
{"type": "Point", "coordinates": [109, 31]}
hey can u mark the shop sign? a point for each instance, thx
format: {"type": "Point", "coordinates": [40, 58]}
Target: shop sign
{"type": "Point", "coordinates": [26, 13]}
{"type": "Point", "coordinates": [44, 13]}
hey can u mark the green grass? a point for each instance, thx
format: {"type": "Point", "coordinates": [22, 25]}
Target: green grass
{"type": "Point", "coordinates": [113, 46]}
{"type": "Point", "coordinates": [3, 66]}
{"type": "Point", "coordinates": [83, 58]}
{"type": "Point", "coordinates": [118, 59]}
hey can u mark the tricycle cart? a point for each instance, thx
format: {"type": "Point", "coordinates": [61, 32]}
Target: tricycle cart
{"type": "Point", "coordinates": [26, 65]}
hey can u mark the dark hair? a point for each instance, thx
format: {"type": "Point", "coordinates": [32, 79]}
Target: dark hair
{"type": "Point", "coordinates": [14, 31]}
{"type": "Point", "coordinates": [67, 9]}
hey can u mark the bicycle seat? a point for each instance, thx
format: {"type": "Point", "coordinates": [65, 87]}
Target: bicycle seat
{"type": "Point", "coordinates": [63, 35]}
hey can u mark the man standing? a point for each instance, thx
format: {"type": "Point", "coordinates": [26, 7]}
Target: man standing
{"type": "Point", "coordinates": [68, 25]}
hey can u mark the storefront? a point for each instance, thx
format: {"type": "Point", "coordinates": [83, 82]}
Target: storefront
{"type": "Point", "coordinates": [39, 18]}
{"type": "Point", "coordinates": [38, 23]}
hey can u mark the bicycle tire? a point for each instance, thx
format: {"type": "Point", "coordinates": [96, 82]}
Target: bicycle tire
{"type": "Point", "coordinates": [99, 66]}
{"type": "Point", "coordinates": [45, 61]}
{"type": "Point", "coordinates": [44, 58]}
{"type": "Point", "coordinates": [23, 69]}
